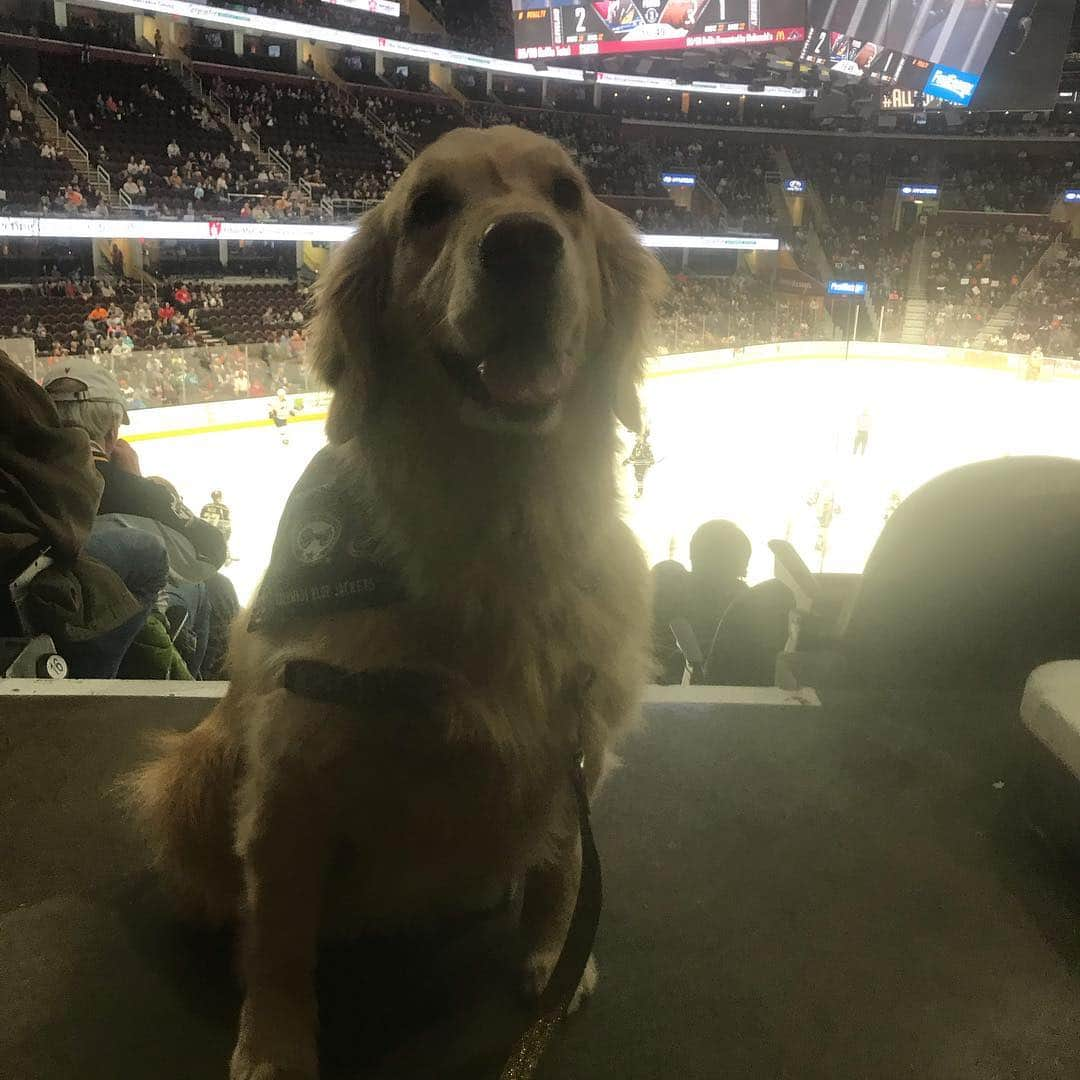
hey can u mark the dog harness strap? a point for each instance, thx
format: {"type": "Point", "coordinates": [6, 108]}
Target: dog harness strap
{"type": "Point", "coordinates": [331, 685]}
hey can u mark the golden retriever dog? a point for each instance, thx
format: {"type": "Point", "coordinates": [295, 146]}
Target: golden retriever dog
{"type": "Point", "coordinates": [482, 332]}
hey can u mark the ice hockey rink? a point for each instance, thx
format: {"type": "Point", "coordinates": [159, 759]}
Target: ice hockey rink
{"type": "Point", "coordinates": [754, 443]}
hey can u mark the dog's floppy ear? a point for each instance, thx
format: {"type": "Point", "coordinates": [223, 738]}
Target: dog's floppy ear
{"type": "Point", "coordinates": [633, 281]}
{"type": "Point", "coordinates": [346, 329]}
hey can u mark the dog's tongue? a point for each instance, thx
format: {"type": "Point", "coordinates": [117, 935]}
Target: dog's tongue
{"type": "Point", "coordinates": [521, 383]}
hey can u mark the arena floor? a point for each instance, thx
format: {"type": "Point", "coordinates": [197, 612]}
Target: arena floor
{"type": "Point", "coordinates": [751, 443]}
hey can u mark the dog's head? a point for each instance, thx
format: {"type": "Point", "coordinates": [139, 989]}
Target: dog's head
{"type": "Point", "coordinates": [491, 283]}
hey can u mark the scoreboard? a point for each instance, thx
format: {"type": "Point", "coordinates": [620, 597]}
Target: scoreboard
{"type": "Point", "coordinates": [940, 47]}
{"type": "Point", "coordinates": [546, 29]}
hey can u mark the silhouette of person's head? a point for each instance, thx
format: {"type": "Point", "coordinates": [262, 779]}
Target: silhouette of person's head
{"type": "Point", "coordinates": [671, 581]}
{"type": "Point", "coordinates": [719, 554]}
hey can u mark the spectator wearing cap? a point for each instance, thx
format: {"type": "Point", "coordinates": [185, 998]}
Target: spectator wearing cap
{"type": "Point", "coordinates": [88, 397]}
{"type": "Point", "coordinates": [92, 602]}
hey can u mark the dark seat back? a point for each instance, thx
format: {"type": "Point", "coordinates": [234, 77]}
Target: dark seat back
{"type": "Point", "coordinates": [750, 635]}
{"type": "Point", "coordinates": [975, 579]}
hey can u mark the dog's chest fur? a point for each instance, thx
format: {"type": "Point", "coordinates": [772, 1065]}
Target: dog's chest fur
{"type": "Point", "coordinates": [440, 813]}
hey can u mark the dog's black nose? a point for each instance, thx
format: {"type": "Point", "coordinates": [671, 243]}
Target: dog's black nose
{"type": "Point", "coordinates": [522, 246]}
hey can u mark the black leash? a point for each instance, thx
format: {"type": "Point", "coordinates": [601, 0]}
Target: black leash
{"type": "Point", "coordinates": [569, 968]}
{"type": "Point", "coordinates": [332, 685]}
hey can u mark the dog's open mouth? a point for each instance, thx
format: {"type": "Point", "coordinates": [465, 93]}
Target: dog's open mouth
{"type": "Point", "coordinates": [512, 389]}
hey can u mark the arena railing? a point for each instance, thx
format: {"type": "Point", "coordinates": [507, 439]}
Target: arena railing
{"type": "Point", "coordinates": [152, 378]}
{"type": "Point", "coordinates": [32, 227]}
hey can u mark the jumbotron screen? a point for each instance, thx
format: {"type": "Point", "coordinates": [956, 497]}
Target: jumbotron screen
{"type": "Point", "coordinates": [982, 53]}
{"type": "Point", "coordinates": [551, 28]}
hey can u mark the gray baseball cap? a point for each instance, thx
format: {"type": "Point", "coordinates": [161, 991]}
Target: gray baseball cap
{"type": "Point", "coordinates": [96, 383]}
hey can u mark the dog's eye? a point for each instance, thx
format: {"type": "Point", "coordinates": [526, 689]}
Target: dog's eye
{"type": "Point", "coordinates": [430, 207]}
{"type": "Point", "coordinates": [566, 193]}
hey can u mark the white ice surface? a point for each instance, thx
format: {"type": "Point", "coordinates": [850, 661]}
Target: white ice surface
{"type": "Point", "coordinates": [748, 443]}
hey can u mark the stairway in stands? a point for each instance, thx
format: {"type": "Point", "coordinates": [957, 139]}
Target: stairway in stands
{"type": "Point", "coordinates": [913, 331]}
{"type": "Point", "coordinates": [93, 176]}
{"type": "Point", "coordinates": [812, 257]}
{"type": "Point", "coordinates": [1005, 316]}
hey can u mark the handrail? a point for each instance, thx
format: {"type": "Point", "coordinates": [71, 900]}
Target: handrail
{"type": "Point", "coordinates": [79, 148]}
{"type": "Point", "coordinates": [8, 69]}
{"type": "Point", "coordinates": [403, 147]}
{"type": "Point", "coordinates": [53, 118]}
{"type": "Point", "coordinates": [278, 160]}
{"type": "Point", "coordinates": [215, 102]}
{"type": "Point", "coordinates": [379, 127]}
{"type": "Point", "coordinates": [359, 205]}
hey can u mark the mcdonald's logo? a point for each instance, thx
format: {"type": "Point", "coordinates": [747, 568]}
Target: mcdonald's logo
{"type": "Point", "coordinates": [780, 35]}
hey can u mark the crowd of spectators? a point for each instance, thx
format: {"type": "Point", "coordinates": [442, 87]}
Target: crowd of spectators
{"type": "Point", "coordinates": [165, 151]}
{"type": "Point", "coordinates": [132, 586]}
{"type": "Point", "coordinates": [416, 121]}
{"type": "Point", "coordinates": [971, 273]}
{"type": "Point", "coordinates": [632, 167]}
{"type": "Point", "coordinates": [1005, 179]}
{"type": "Point", "coordinates": [202, 341]}
{"type": "Point", "coordinates": [851, 184]}
{"type": "Point", "coordinates": [1048, 307]}
{"type": "Point", "coordinates": [34, 176]}
{"type": "Point", "coordinates": [159, 348]}
{"type": "Point", "coordinates": [170, 155]}
{"type": "Point", "coordinates": [318, 130]}
{"type": "Point", "coordinates": [709, 626]}
{"type": "Point", "coordinates": [731, 312]}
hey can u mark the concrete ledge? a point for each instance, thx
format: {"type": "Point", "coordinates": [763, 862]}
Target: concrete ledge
{"type": "Point", "coordinates": [211, 691]}
{"type": "Point", "coordinates": [107, 688]}
{"type": "Point", "coordinates": [828, 893]}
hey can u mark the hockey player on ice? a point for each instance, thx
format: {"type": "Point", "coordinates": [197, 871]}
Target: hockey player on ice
{"type": "Point", "coordinates": [216, 513]}
{"type": "Point", "coordinates": [280, 411]}
{"type": "Point", "coordinates": [643, 459]}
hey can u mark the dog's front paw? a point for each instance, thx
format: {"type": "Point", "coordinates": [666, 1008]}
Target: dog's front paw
{"type": "Point", "coordinates": [537, 971]}
{"type": "Point", "coordinates": [275, 1041]}
{"type": "Point", "coordinates": [248, 1064]}
{"type": "Point", "coordinates": [265, 1070]}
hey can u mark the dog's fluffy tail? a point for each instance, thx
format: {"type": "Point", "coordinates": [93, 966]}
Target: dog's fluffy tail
{"type": "Point", "coordinates": [183, 800]}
